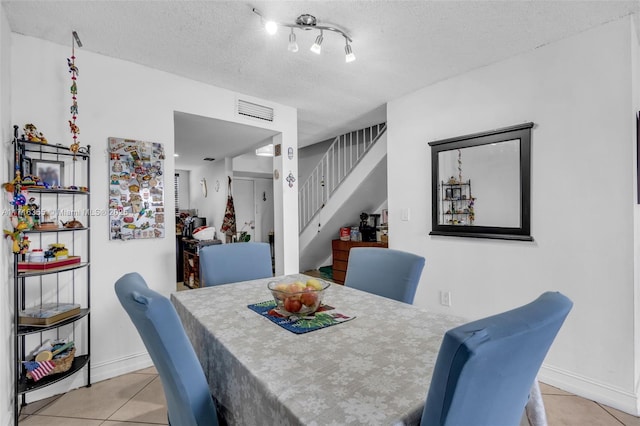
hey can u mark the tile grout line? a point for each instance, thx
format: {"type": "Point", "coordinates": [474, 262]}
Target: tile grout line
{"type": "Point", "coordinates": [53, 398]}
{"type": "Point", "coordinates": [610, 413]}
{"type": "Point", "coordinates": [133, 396]}
{"type": "Point", "coordinates": [56, 397]}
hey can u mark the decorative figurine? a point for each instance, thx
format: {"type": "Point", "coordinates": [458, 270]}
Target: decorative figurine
{"type": "Point", "coordinates": [74, 128]}
{"type": "Point", "coordinates": [20, 241]}
{"type": "Point", "coordinates": [32, 135]}
{"type": "Point", "coordinates": [72, 67]}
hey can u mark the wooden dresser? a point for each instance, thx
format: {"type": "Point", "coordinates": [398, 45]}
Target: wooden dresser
{"type": "Point", "coordinates": [341, 256]}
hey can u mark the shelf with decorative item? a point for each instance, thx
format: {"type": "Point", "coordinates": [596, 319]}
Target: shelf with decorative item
{"type": "Point", "coordinates": [53, 270]}
{"type": "Point", "coordinates": [42, 190]}
{"type": "Point", "coordinates": [53, 230]}
{"type": "Point", "coordinates": [30, 329]}
{"type": "Point", "coordinates": [26, 385]}
{"type": "Point", "coordinates": [46, 148]}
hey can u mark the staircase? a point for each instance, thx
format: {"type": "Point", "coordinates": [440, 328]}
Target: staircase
{"type": "Point", "coordinates": [351, 178]}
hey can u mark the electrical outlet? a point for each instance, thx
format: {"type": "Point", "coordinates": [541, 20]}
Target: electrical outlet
{"type": "Point", "coordinates": [445, 298]}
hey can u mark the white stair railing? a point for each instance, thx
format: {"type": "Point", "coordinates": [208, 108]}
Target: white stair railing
{"type": "Point", "coordinates": [342, 156]}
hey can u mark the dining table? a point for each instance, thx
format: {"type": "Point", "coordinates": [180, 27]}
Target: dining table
{"type": "Point", "coordinates": [372, 369]}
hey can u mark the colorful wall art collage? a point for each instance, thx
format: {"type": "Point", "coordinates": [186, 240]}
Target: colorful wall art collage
{"type": "Point", "coordinates": [136, 189]}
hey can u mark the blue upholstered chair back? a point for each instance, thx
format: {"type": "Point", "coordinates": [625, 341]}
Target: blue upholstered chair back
{"type": "Point", "coordinates": [390, 273]}
{"type": "Point", "coordinates": [485, 368]}
{"type": "Point", "coordinates": [228, 263]}
{"type": "Point", "coordinates": [189, 402]}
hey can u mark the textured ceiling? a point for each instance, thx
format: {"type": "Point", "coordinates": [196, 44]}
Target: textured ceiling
{"type": "Point", "coordinates": [400, 45]}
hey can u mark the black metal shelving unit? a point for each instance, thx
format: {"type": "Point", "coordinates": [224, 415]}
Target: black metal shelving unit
{"type": "Point", "coordinates": [77, 282]}
{"type": "Point", "coordinates": [456, 203]}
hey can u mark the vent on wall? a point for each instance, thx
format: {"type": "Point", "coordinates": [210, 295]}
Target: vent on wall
{"type": "Point", "coordinates": [250, 109]}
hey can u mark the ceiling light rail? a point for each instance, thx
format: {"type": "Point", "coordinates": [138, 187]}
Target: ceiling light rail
{"type": "Point", "coordinates": [307, 22]}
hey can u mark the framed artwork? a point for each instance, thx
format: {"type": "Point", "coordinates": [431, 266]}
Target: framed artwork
{"type": "Point", "coordinates": [448, 194]}
{"type": "Point", "coordinates": [136, 189]}
{"type": "Point", "coordinates": [455, 193]}
{"type": "Point", "coordinates": [49, 171]}
{"type": "Point", "coordinates": [26, 165]}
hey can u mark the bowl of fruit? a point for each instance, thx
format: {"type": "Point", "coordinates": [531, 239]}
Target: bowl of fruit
{"type": "Point", "coordinates": [298, 297]}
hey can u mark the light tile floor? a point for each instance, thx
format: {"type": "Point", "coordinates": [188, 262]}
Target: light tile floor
{"type": "Point", "coordinates": [137, 399]}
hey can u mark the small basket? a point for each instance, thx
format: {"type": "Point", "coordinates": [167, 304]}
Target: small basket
{"type": "Point", "coordinates": [62, 364]}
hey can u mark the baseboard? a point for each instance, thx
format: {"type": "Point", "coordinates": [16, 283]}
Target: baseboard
{"type": "Point", "coordinates": [602, 393]}
{"type": "Point", "coordinates": [118, 367]}
{"type": "Point", "coordinates": [99, 372]}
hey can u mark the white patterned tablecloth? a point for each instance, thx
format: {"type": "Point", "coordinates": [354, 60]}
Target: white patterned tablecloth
{"type": "Point", "coordinates": [372, 370]}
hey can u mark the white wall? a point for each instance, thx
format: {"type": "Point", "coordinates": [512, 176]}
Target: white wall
{"type": "Point", "coordinates": [122, 99]}
{"type": "Point", "coordinates": [578, 92]}
{"type": "Point", "coordinates": [252, 165]}
{"type": "Point", "coordinates": [285, 194]}
{"type": "Point", "coordinates": [212, 206]}
{"type": "Point", "coordinates": [6, 271]}
{"type": "Point", "coordinates": [635, 84]}
{"type": "Point", "coordinates": [310, 156]}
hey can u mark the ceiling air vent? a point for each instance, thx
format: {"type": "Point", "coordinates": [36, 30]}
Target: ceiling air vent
{"type": "Point", "coordinates": [250, 109]}
{"type": "Point", "coordinates": [209, 159]}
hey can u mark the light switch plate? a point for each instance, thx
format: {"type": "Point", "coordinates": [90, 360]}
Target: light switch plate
{"type": "Point", "coordinates": [404, 214]}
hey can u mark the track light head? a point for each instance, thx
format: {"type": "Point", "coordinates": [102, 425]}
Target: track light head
{"type": "Point", "coordinates": [349, 56]}
{"type": "Point", "coordinates": [317, 46]}
{"type": "Point", "coordinates": [271, 27]}
{"type": "Point", "coordinates": [293, 45]}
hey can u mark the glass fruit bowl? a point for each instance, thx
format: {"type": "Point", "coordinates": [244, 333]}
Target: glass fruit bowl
{"type": "Point", "coordinates": [298, 297]}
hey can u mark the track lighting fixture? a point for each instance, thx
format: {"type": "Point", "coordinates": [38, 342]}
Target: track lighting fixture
{"type": "Point", "coordinates": [307, 22]}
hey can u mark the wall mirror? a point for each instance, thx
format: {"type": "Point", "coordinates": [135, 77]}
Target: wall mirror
{"type": "Point", "coordinates": [480, 184]}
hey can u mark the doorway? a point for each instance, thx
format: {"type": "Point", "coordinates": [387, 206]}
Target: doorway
{"type": "Point", "coordinates": [211, 150]}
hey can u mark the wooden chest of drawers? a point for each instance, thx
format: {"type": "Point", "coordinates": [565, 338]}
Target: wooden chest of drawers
{"type": "Point", "coordinates": [341, 256]}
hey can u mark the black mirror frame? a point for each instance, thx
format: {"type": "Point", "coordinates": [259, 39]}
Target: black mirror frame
{"type": "Point", "coordinates": [522, 233]}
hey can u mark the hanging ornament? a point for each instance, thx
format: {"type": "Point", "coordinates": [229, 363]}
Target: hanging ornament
{"type": "Point", "coordinates": [291, 179]}
{"type": "Point", "coordinates": [459, 166]}
{"type": "Point", "coordinates": [73, 70]}
{"type": "Point", "coordinates": [17, 165]}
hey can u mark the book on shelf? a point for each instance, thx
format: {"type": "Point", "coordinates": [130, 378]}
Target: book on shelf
{"type": "Point", "coordinates": [50, 264]}
{"type": "Point", "coordinates": [48, 313]}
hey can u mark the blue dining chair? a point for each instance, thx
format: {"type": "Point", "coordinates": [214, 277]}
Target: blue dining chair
{"type": "Point", "coordinates": [486, 368]}
{"type": "Point", "coordinates": [189, 402]}
{"type": "Point", "coordinates": [233, 262]}
{"type": "Point", "coordinates": [390, 273]}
